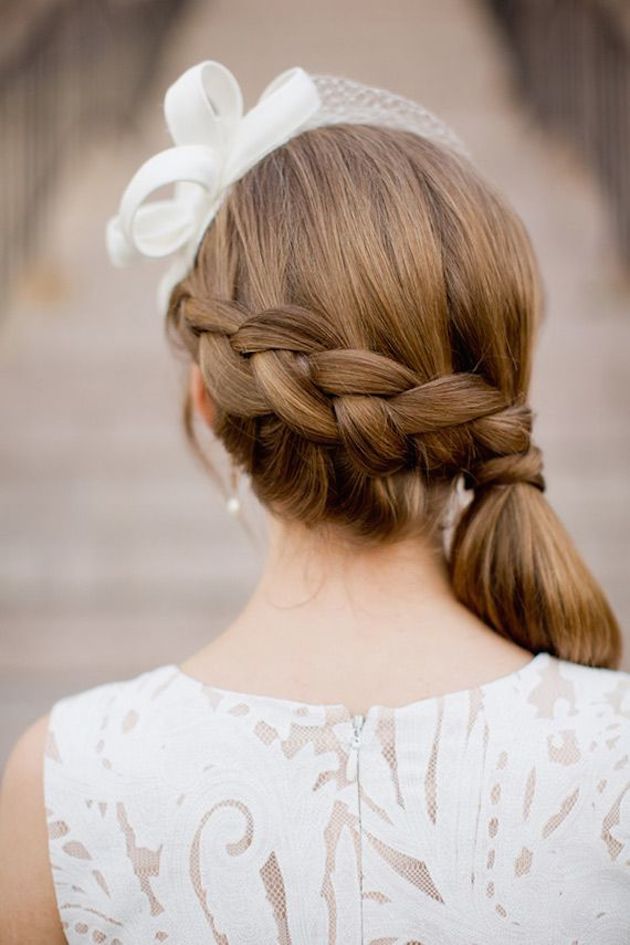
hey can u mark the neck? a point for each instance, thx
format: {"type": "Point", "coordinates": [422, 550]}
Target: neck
{"type": "Point", "coordinates": [316, 588]}
{"type": "Point", "coordinates": [328, 623]}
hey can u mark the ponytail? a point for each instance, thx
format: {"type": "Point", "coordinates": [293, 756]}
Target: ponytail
{"type": "Point", "coordinates": [513, 563]}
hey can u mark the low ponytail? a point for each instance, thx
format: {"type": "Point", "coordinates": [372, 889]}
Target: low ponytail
{"type": "Point", "coordinates": [513, 563]}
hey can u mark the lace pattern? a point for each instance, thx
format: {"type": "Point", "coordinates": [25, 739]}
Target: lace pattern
{"type": "Point", "coordinates": [183, 813]}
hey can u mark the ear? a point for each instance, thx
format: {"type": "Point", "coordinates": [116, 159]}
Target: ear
{"type": "Point", "coordinates": [202, 402]}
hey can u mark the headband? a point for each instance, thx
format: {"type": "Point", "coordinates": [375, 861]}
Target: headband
{"type": "Point", "coordinates": [216, 143]}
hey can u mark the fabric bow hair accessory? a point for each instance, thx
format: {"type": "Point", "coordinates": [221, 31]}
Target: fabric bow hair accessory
{"type": "Point", "coordinates": [215, 145]}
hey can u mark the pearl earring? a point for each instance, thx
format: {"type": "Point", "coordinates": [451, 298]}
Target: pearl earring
{"type": "Point", "coordinates": [233, 503]}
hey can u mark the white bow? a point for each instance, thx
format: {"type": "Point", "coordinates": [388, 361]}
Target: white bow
{"type": "Point", "coordinates": [215, 145]}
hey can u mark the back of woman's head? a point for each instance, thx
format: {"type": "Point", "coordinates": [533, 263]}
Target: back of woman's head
{"type": "Point", "coordinates": [363, 310]}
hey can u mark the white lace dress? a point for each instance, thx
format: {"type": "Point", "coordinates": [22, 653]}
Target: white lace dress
{"type": "Point", "coordinates": [192, 815]}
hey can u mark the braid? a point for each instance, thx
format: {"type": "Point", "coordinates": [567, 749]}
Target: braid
{"type": "Point", "coordinates": [289, 363]}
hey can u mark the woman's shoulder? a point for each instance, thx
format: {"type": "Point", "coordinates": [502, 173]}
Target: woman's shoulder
{"type": "Point", "coordinates": [76, 717]}
{"type": "Point", "coordinates": [50, 775]}
{"type": "Point", "coordinates": [578, 718]}
{"type": "Point", "coordinates": [78, 722]}
{"type": "Point", "coordinates": [583, 688]}
{"type": "Point", "coordinates": [594, 701]}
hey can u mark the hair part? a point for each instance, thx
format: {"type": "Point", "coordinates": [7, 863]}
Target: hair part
{"type": "Point", "coordinates": [363, 310]}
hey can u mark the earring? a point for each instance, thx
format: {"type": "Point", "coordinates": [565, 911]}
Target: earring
{"type": "Point", "coordinates": [233, 503]}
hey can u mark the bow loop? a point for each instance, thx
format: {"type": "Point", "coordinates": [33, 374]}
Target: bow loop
{"type": "Point", "coordinates": [284, 105]}
{"type": "Point", "coordinates": [204, 106]}
{"type": "Point", "coordinates": [162, 227]}
{"type": "Point", "coordinates": [215, 145]}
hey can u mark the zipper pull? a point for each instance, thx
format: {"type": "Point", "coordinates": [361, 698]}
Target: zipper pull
{"type": "Point", "coordinates": [353, 751]}
{"type": "Point", "coordinates": [357, 722]}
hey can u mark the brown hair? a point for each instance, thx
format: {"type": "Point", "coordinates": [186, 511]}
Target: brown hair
{"type": "Point", "coordinates": [363, 309]}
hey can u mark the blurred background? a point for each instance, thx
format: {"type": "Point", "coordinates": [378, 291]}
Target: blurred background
{"type": "Point", "coordinates": [117, 553]}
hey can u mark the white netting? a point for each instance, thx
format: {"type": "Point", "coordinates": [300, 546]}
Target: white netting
{"type": "Point", "coordinates": [344, 100]}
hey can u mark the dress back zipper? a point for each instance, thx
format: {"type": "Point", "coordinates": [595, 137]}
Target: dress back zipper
{"type": "Point", "coordinates": [358, 722]}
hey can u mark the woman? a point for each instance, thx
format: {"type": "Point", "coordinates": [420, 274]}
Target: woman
{"type": "Point", "coordinates": [415, 730]}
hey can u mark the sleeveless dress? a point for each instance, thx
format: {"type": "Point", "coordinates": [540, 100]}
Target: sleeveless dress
{"type": "Point", "coordinates": [187, 814]}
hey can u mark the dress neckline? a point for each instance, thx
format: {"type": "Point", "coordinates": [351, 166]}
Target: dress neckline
{"type": "Point", "coordinates": [282, 702]}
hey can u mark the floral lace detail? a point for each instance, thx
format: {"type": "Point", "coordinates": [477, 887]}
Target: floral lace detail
{"type": "Point", "coordinates": [187, 814]}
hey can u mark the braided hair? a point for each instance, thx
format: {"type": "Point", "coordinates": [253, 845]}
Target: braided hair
{"type": "Point", "coordinates": [363, 311]}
